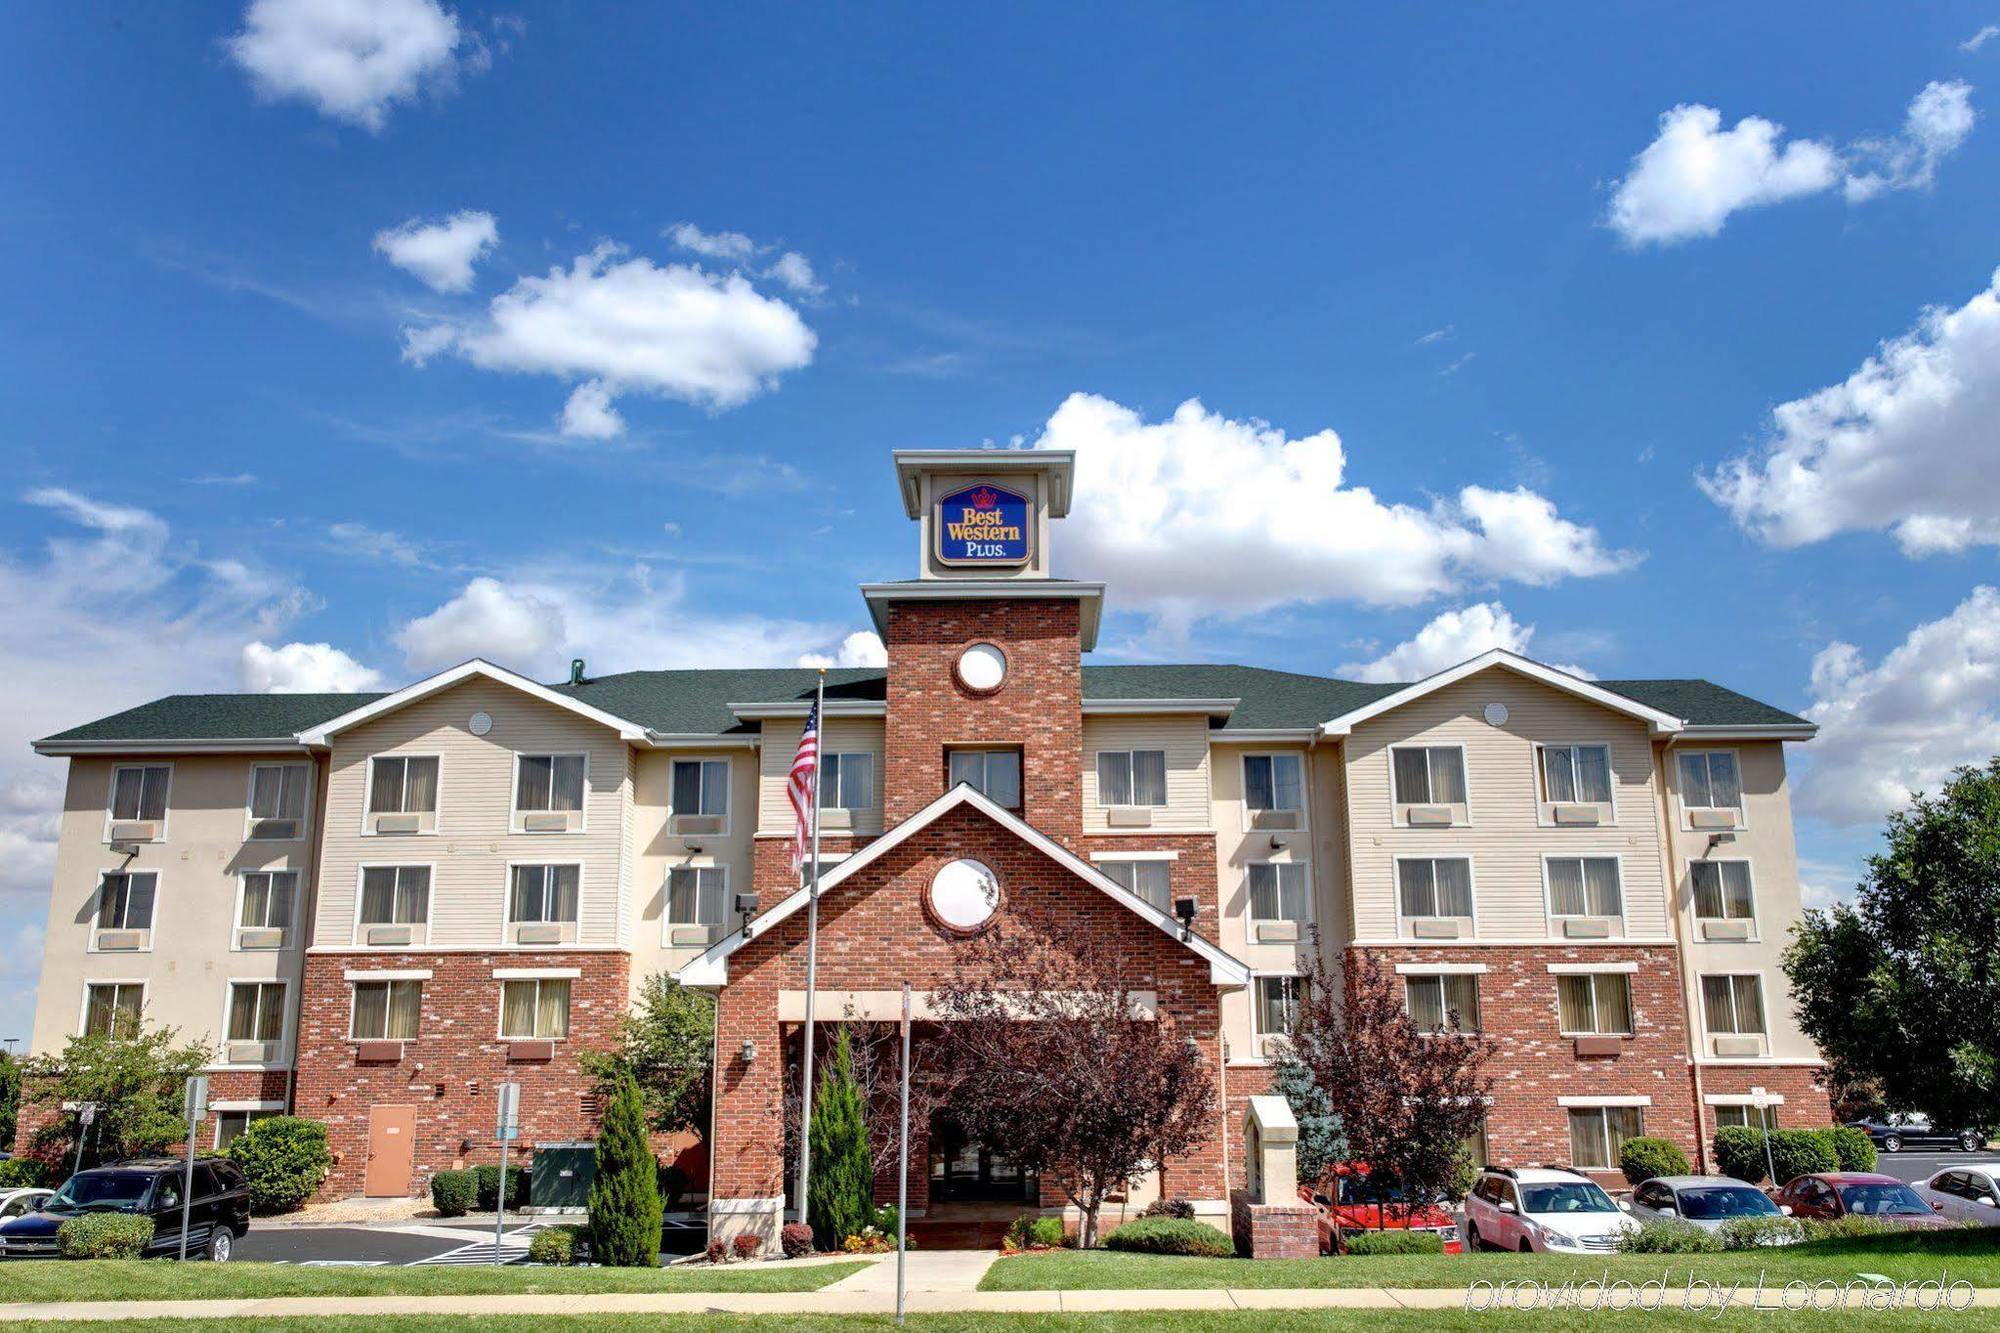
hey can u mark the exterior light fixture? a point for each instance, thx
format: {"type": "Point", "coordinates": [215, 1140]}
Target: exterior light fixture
{"type": "Point", "coordinates": [749, 1052]}
{"type": "Point", "coordinates": [1185, 908]}
{"type": "Point", "coordinates": [746, 907]}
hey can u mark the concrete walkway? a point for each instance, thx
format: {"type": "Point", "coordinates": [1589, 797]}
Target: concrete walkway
{"type": "Point", "coordinates": [926, 1271]}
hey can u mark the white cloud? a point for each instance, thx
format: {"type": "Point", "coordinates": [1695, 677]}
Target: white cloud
{"type": "Point", "coordinates": [673, 331]}
{"type": "Point", "coordinates": [588, 415]}
{"type": "Point", "coordinates": [352, 59]}
{"type": "Point", "coordinates": [796, 272]}
{"type": "Point", "coordinates": [1904, 443]}
{"type": "Point", "coordinates": [1938, 121]}
{"type": "Point", "coordinates": [863, 648]}
{"type": "Point", "coordinates": [1451, 638]}
{"type": "Point", "coordinates": [376, 544]}
{"type": "Point", "coordinates": [1900, 726]}
{"type": "Point", "coordinates": [731, 246]}
{"type": "Point", "coordinates": [487, 619]}
{"type": "Point", "coordinates": [1201, 514]}
{"type": "Point", "coordinates": [1980, 38]}
{"type": "Point", "coordinates": [1436, 335]}
{"type": "Point", "coordinates": [1689, 180]}
{"type": "Point", "coordinates": [304, 668]}
{"type": "Point", "coordinates": [440, 254]}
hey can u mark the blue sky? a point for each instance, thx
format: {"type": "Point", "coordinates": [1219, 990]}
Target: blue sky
{"type": "Point", "coordinates": [1468, 306]}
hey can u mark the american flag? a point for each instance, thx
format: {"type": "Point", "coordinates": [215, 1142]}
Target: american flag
{"type": "Point", "coordinates": [803, 787]}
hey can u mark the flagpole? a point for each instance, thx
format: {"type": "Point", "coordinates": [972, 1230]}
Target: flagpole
{"type": "Point", "coordinates": [812, 955]}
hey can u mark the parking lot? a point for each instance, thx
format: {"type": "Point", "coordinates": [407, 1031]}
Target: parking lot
{"type": "Point", "coordinates": [1915, 1166]}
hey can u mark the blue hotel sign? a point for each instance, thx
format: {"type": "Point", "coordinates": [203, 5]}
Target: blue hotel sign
{"type": "Point", "coordinates": [982, 524]}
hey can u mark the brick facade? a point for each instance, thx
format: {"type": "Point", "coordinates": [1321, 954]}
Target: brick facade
{"type": "Point", "coordinates": [1807, 1104]}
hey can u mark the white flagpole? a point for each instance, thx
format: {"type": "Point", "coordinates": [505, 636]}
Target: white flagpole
{"type": "Point", "coordinates": [903, 1164]}
{"type": "Point", "coordinates": [812, 955]}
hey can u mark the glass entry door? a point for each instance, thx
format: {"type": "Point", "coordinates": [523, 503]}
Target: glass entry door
{"type": "Point", "coordinates": [965, 1170]}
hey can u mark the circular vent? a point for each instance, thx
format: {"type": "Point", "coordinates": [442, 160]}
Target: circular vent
{"type": "Point", "coordinates": [1496, 715]}
{"type": "Point", "coordinates": [982, 667]}
{"type": "Point", "coordinates": [964, 895]}
{"type": "Point", "coordinates": [479, 723]}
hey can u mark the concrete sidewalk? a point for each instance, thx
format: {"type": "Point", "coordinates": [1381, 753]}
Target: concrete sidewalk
{"type": "Point", "coordinates": [928, 1271]}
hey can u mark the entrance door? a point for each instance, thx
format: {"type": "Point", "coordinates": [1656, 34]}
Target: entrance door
{"type": "Point", "coordinates": [964, 1170]}
{"type": "Point", "coordinates": [392, 1150]}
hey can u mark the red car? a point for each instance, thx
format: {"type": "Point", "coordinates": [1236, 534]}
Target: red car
{"type": "Point", "coordinates": [1835, 1194]}
{"type": "Point", "coordinates": [1350, 1201]}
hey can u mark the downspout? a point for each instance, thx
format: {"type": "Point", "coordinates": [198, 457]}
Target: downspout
{"type": "Point", "coordinates": [1674, 877]}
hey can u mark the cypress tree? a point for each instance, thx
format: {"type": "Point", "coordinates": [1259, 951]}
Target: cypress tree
{"type": "Point", "coordinates": [625, 1196]}
{"type": "Point", "coordinates": [842, 1196]}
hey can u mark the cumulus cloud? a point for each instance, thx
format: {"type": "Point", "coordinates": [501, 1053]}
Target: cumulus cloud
{"type": "Point", "coordinates": [353, 59]}
{"type": "Point", "coordinates": [486, 619]}
{"type": "Point", "coordinates": [1203, 514]}
{"type": "Point", "coordinates": [863, 648]}
{"type": "Point", "coordinates": [440, 254]}
{"type": "Point", "coordinates": [796, 272]}
{"type": "Point", "coordinates": [1451, 638]}
{"type": "Point", "coordinates": [1938, 120]}
{"type": "Point", "coordinates": [304, 668]}
{"type": "Point", "coordinates": [589, 415]}
{"type": "Point", "coordinates": [1904, 443]}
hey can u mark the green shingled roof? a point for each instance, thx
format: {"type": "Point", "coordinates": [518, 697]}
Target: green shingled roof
{"type": "Point", "coordinates": [1701, 703]}
{"type": "Point", "coordinates": [212, 717]}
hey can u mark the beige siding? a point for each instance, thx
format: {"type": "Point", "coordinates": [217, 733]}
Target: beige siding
{"type": "Point", "coordinates": [656, 851]}
{"type": "Point", "coordinates": [841, 735]}
{"type": "Point", "coordinates": [1185, 741]}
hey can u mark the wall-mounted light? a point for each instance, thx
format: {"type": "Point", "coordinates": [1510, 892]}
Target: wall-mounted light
{"type": "Point", "coordinates": [746, 907]}
{"type": "Point", "coordinates": [749, 1051]}
{"type": "Point", "coordinates": [1277, 843]}
{"type": "Point", "coordinates": [693, 848]}
{"type": "Point", "coordinates": [1185, 908]}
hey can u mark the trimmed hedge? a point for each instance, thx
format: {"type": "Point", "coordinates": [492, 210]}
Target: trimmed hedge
{"type": "Point", "coordinates": [555, 1246]}
{"type": "Point", "coordinates": [488, 1177]}
{"type": "Point", "coordinates": [1669, 1238]}
{"type": "Point", "coordinates": [1170, 1235]}
{"type": "Point", "coordinates": [454, 1192]}
{"type": "Point", "coordinates": [796, 1240]}
{"type": "Point", "coordinates": [104, 1236]}
{"type": "Point", "coordinates": [1180, 1208]}
{"type": "Point", "coordinates": [1391, 1242]}
{"type": "Point", "coordinates": [284, 1158]}
{"type": "Point", "coordinates": [1802, 1152]}
{"type": "Point", "coordinates": [1739, 1152]}
{"type": "Point", "coordinates": [1854, 1148]}
{"type": "Point", "coordinates": [1644, 1159]}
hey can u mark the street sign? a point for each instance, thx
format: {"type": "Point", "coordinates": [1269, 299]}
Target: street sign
{"type": "Point", "coordinates": [509, 1118]}
{"type": "Point", "coordinates": [197, 1096]}
{"type": "Point", "coordinates": [86, 1114]}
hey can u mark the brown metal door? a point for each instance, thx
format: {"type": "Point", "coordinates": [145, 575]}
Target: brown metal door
{"type": "Point", "coordinates": [392, 1150]}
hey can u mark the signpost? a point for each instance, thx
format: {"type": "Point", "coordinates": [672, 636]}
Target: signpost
{"type": "Point", "coordinates": [86, 1115]}
{"type": "Point", "coordinates": [903, 1162]}
{"type": "Point", "coordinates": [196, 1097]}
{"type": "Point", "coordinates": [508, 1128]}
{"type": "Point", "coordinates": [1763, 1118]}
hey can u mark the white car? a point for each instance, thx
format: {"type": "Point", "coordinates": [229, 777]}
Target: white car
{"type": "Point", "coordinates": [1965, 1193]}
{"type": "Point", "coordinates": [1544, 1209]}
{"type": "Point", "coordinates": [20, 1202]}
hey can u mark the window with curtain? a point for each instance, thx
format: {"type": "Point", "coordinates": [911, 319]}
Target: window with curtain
{"type": "Point", "coordinates": [395, 895]}
{"type": "Point", "coordinates": [1278, 891]}
{"type": "Point", "coordinates": [1435, 886]}
{"type": "Point", "coordinates": [534, 1007]}
{"type": "Point", "coordinates": [125, 900]}
{"type": "Point", "coordinates": [544, 893]}
{"type": "Point", "coordinates": [1722, 890]}
{"type": "Point", "coordinates": [549, 783]}
{"type": "Point", "coordinates": [228, 1124]}
{"type": "Point", "coordinates": [1709, 780]}
{"type": "Point", "coordinates": [278, 791]}
{"type": "Point", "coordinates": [268, 897]}
{"type": "Point", "coordinates": [1131, 777]}
{"type": "Point", "coordinates": [995, 774]}
{"type": "Point", "coordinates": [847, 781]}
{"type": "Point", "coordinates": [1598, 1133]}
{"type": "Point", "coordinates": [140, 792]}
{"type": "Point", "coordinates": [1428, 774]}
{"type": "Point", "coordinates": [1576, 774]}
{"type": "Point", "coordinates": [1148, 879]}
{"type": "Point", "coordinates": [1277, 1005]}
{"type": "Point", "coordinates": [111, 1009]}
{"type": "Point", "coordinates": [1745, 1117]}
{"type": "Point", "coordinates": [701, 787]}
{"type": "Point", "coordinates": [256, 1010]}
{"type": "Point", "coordinates": [1585, 886]}
{"type": "Point", "coordinates": [1734, 1004]}
{"type": "Point", "coordinates": [1273, 782]}
{"type": "Point", "coordinates": [695, 895]}
{"type": "Point", "coordinates": [1595, 1004]}
{"type": "Point", "coordinates": [1432, 1000]}
{"type": "Point", "coordinates": [387, 1010]}
{"type": "Point", "coordinates": [403, 784]}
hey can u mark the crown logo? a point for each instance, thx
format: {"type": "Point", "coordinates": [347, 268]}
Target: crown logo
{"type": "Point", "coordinates": [984, 498]}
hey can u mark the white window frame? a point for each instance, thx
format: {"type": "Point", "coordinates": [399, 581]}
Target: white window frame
{"type": "Point", "coordinates": [1680, 790]}
{"type": "Point", "coordinates": [97, 903]}
{"type": "Point", "coordinates": [1440, 977]}
{"type": "Point", "coordinates": [1403, 931]}
{"type": "Point", "coordinates": [261, 1109]}
{"type": "Point", "coordinates": [507, 920]}
{"type": "Point", "coordinates": [1544, 803]}
{"type": "Point", "coordinates": [1556, 918]}
{"type": "Point", "coordinates": [728, 792]}
{"type": "Point", "coordinates": [1243, 776]}
{"type": "Point", "coordinates": [1708, 1027]}
{"type": "Point", "coordinates": [501, 978]}
{"type": "Point", "coordinates": [236, 926]}
{"type": "Point", "coordinates": [1749, 871]}
{"type": "Point", "coordinates": [839, 759]}
{"type": "Point", "coordinates": [1257, 1032]}
{"type": "Point", "coordinates": [356, 980]}
{"type": "Point", "coordinates": [1020, 754]}
{"type": "Point", "coordinates": [1130, 753]}
{"type": "Point", "coordinates": [166, 801]}
{"type": "Point", "coordinates": [1593, 975]}
{"type": "Point", "coordinates": [1250, 899]}
{"type": "Point", "coordinates": [1398, 807]}
{"type": "Point", "coordinates": [667, 923]}
{"type": "Point", "coordinates": [1136, 859]}
{"type": "Point", "coordinates": [515, 812]}
{"type": "Point", "coordinates": [1600, 1107]}
{"type": "Point", "coordinates": [430, 902]}
{"type": "Point", "coordinates": [250, 798]}
{"type": "Point", "coordinates": [282, 1041]}
{"type": "Point", "coordinates": [83, 1004]}
{"type": "Point", "coordinates": [368, 795]}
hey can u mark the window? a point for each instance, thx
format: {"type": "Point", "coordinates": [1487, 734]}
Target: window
{"type": "Point", "coordinates": [403, 785]}
{"type": "Point", "coordinates": [386, 1010]}
{"type": "Point", "coordinates": [847, 781]}
{"type": "Point", "coordinates": [1722, 890]}
{"type": "Point", "coordinates": [1434, 1001]}
{"type": "Point", "coordinates": [1734, 1005]}
{"type": "Point", "coordinates": [1595, 1004]}
{"type": "Point", "coordinates": [995, 774]}
{"type": "Point", "coordinates": [111, 1009]}
{"type": "Point", "coordinates": [395, 895]}
{"type": "Point", "coordinates": [695, 895]}
{"type": "Point", "coordinates": [1576, 774]}
{"type": "Point", "coordinates": [1745, 1117]}
{"type": "Point", "coordinates": [125, 900]}
{"type": "Point", "coordinates": [256, 1011]}
{"type": "Point", "coordinates": [1585, 886]}
{"type": "Point", "coordinates": [277, 792]}
{"type": "Point", "coordinates": [1132, 777]}
{"type": "Point", "coordinates": [1429, 775]}
{"type": "Point", "coordinates": [1148, 879]}
{"type": "Point", "coordinates": [140, 793]}
{"type": "Point", "coordinates": [544, 893]}
{"type": "Point", "coordinates": [534, 1008]}
{"type": "Point", "coordinates": [1709, 781]}
{"type": "Point", "coordinates": [268, 897]}
{"type": "Point", "coordinates": [549, 783]}
{"type": "Point", "coordinates": [228, 1124]}
{"type": "Point", "coordinates": [1435, 886]}
{"type": "Point", "coordinates": [701, 787]}
{"type": "Point", "coordinates": [1273, 782]}
{"type": "Point", "coordinates": [1597, 1133]}
{"type": "Point", "coordinates": [1278, 891]}
{"type": "Point", "coordinates": [1277, 1005]}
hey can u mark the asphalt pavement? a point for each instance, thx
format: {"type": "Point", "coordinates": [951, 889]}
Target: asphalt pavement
{"type": "Point", "coordinates": [1912, 1166]}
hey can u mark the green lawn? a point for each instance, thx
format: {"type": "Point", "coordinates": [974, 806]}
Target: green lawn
{"type": "Point", "coordinates": [155, 1280]}
{"type": "Point", "coordinates": [1245, 1321]}
{"type": "Point", "coordinates": [1914, 1256]}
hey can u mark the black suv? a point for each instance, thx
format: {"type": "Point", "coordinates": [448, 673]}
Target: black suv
{"type": "Point", "coordinates": [148, 1187]}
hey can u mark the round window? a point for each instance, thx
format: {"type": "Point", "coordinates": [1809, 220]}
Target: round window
{"type": "Point", "coordinates": [964, 896]}
{"type": "Point", "coordinates": [982, 667]}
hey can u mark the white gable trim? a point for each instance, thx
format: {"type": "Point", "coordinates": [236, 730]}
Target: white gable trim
{"type": "Point", "coordinates": [1661, 723]}
{"type": "Point", "coordinates": [464, 671]}
{"type": "Point", "coordinates": [711, 968]}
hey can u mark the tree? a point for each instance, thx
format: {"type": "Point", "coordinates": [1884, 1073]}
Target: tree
{"type": "Point", "coordinates": [10, 1099]}
{"type": "Point", "coordinates": [1408, 1099]}
{"type": "Point", "coordinates": [625, 1196]}
{"type": "Point", "coordinates": [840, 1197]}
{"type": "Point", "coordinates": [1322, 1145]}
{"type": "Point", "coordinates": [668, 1043]}
{"type": "Point", "coordinates": [876, 1050]}
{"type": "Point", "coordinates": [138, 1085]}
{"type": "Point", "coordinates": [1061, 1069]}
{"type": "Point", "coordinates": [1902, 989]}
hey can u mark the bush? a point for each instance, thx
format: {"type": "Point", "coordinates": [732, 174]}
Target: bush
{"type": "Point", "coordinates": [1032, 1229]}
{"type": "Point", "coordinates": [1854, 1148]}
{"type": "Point", "coordinates": [1643, 1159]}
{"type": "Point", "coordinates": [718, 1252]}
{"type": "Point", "coordinates": [1848, 1228]}
{"type": "Point", "coordinates": [673, 1184]}
{"type": "Point", "coordinates": [1739, 1152]}
{"type": "Point", "coordinates": [554, 1246]}
{"type": "Point", "coordinates": [1669, 1238]}
{"type": "Point", "coordinates": [1180, 1208]}
{"type": "Point", "coordinates": [747, 1245]}
{"type": "Point", "coordinates": [796, 1240]}
{"type": "Point", "coordinates": [1170, 1235]}
{"type": "Point", "coordinates": [285, 1159]}
{"type": "Point", "coordinates": [625, 1213]}
{"type": "Point", "coordinates": [1393, 1242]}
{"type": "Point", "coordinates": [454, 1192]}
{"type": "Point", "coordinates": [104, 1236]}
{"type": "Point", "coordinates": [1750, 1233]}
{"type": "Point", "coordinates": [23, 1173]}
{"type": "Point", "coordinates": [518, 1176]}
{"type": "Point", "coordinates": [841, 1201]}
{"type": "Point", "coordinates": [1801, 1152]}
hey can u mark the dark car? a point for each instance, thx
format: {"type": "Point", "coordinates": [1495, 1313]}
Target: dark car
{"type": "Point", "coordinates": [1914, 1131]}
{"type": "Point", "coordinates": [151, 1187]}
{"type": "Point", "coordinates": [1831, 1195]}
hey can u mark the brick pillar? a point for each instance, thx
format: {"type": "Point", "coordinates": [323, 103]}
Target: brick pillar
{"type": "Point", "coordinates": [748, 1175]}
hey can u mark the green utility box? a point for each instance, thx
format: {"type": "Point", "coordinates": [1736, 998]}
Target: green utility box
{"type": "Point", "coordinates": [562, 1175]}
